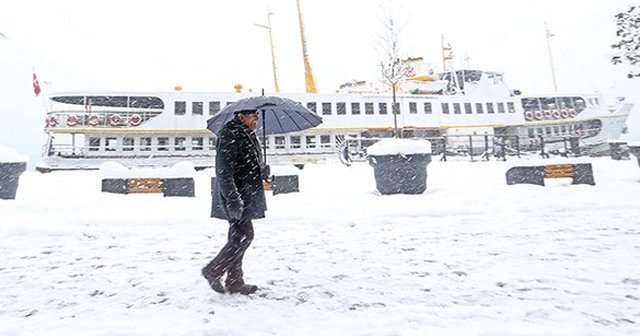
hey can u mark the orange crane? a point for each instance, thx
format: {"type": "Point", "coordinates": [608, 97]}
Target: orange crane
{"type": "Point", "coordinates": [308, 75]}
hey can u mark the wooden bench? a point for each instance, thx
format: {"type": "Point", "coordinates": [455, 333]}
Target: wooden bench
{"type": "Point", "coordinates": [580, 173]}
{"type": "Point", "coordinates": [144, 185]}
{"type": "Point", "coordinates": [183, 186]}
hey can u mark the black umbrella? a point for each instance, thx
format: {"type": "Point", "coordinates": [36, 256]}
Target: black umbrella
{"type": "Point", "coordinates": [279, 115]}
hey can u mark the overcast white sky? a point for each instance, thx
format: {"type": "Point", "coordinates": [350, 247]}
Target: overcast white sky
{"type": "Point", "coordinates": [212, 45]}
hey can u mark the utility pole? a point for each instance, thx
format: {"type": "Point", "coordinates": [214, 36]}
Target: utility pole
{"type": "Point", "coordinates": [273, 54]}
{"type": "Point", "coordinates": [549, 35]}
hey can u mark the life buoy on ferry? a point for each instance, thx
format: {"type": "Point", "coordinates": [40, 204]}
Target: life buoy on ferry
{"type": "Point", "coordinates": [555, 114]}
{"type": "Point", "coordinates": [115, 119]}
{"type": "Point", "coordinates": [72, 120]}
{"type": "Point", "coordinates": [528, 115]}
{"type": "Point", "coordinates": [564, 114]}
{"type": "Point", "coordinates": [538, 114]}
{"type": "Point", "coordinates": [547, 114]}
{"type": "Point", "coordinates": [52, 121]}
{"type": "Point", "coordinates": [572, 113]}
{"type": "Point", "coordinates": [135, 119]}
{"type": "Point", "coordinates": [93, 120]}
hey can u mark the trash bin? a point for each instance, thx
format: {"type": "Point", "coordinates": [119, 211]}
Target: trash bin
{"type": "Point", "coordinates": [618, 150]}
{"type": "Point", "coordinates": [9, 177]}
{"type": "Point", "coordinates": [12, 165]}
{"type": "Point", "coordinates": [400, 166]}
{"type": "Point", "coordinates": [634, 148]}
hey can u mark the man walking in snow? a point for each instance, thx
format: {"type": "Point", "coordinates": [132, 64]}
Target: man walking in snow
{"type": "Point", "coordinates": [238, 196]}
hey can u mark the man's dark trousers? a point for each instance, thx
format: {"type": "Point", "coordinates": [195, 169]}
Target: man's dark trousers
{"type": "Point", "coordinates": [229, 259]}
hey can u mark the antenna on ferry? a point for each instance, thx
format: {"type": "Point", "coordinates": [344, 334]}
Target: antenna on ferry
{"type": "Point", "coordinates": [549, 35]}
{"type": "Point", "coordinates": [273, 54]}
{"type": "Point", "coordinates": [447, 57]}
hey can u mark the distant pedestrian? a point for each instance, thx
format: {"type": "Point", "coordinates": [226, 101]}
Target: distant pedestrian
{"type": "Point", "coordinates": [238, 196]}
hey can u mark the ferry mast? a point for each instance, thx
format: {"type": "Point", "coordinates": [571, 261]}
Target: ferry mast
{"type": "Point", "coordinates": [308, 75]}
{"type": "Point", "coordinates": [273, 54]}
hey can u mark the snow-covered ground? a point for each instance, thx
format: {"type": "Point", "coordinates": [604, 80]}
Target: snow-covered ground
{"type": "Point", "coordinates": [470, 256]}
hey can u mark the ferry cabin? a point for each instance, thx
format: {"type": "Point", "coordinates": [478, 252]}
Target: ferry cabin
{"type": "Point", "coordinates": [153, 129]}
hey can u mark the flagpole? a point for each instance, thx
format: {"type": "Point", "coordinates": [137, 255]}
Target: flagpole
{"type": "Point", "coordinates": [553, 71]}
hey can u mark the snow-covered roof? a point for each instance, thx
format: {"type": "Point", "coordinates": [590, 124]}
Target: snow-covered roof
{"type": "Point", "coordinates": [633, 144]}
{"type": "Point", "coordinates": [116, 170]}
{"type": "Point", "coordinates": [400, 146]}
{"type": "Point", "coordinates": [8, 154]}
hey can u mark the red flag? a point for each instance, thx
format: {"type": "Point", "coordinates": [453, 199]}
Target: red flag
{"type": "Point", "coordinates": [36, 85]}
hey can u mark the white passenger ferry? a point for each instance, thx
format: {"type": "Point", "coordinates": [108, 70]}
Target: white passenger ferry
{"type": "Point", "coordinates": [162, 128]}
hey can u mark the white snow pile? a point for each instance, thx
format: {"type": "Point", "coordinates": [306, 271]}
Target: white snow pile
{"type": "Point", "coordinates": [392, 146]}
{"type": "Point", "coordinates": [115, 170]}
{"type": "Point", "coordinates": [633, 144]}
{"type": "Point", "coordinates": [8, 154]}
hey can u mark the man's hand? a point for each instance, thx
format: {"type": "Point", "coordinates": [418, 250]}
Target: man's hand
{"type": "Point", "coordinates": [266, 173]}
{"type": "Point", "coordinates": [235, 207]}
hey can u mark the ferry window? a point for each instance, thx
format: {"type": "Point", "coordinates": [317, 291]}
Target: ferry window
{"type": "Point", "coordinates": [490, 108]}
{"type": "Point", "coordinates": [556, 130]}
{"type": "Point", "coordinates": [368, 108]}
{"type": "Point", "coordinates": [479, 108]}
{"type": "Point", "coordinates": [180, 108]}
{"type": "Point", "coordinates": [547, 130]}
{"type": "Point", "coordinates": [456, 108]}
{"type": "Point", "coordinates": [467, 108]}
{"type": "Point", "coordinates": [531, 132]}
{"type": "Point", "coordinates": [180, 143]}
{"type": "Point", "coordinates": [197, 144]}
{"type": "Point", "coordinates": [530, 104]}
{"type": "Point", "coordinates": [94, 144]}
{"type": "Point", "coordinates": [579, 103]}
{"type": "Point", "coordinates": [311, 141]}
{"type": "Point", "coordinates": [163, 143]}
{"type": "Point", "coordinates": [127, 144]}
{"type": "Point", "coordinates": [548, 103]}
{"type": "Point", "coordinates": [445, 108]}
{"type": "Point", "coordinates": [564, 129]}
{"type": "Point", "coordinates": [540, 131]}
{"type": "Point", "coordinates": [511, 107]}
{"type": "Point", "coordinates": [382, 108]}
{"type": "Point", "coordinates": [595, 101]}
{"type": "Point", "coordinates": [500, 107]}
{"type": "Point", "coordinates": [355, 108]}
{"type": "Point", "coordinates": [341, 108]}
{"type": "Point", "coordinates": [145, 144]}
{"type": "Point", "coordinates": [427, 108]}
{"type": "Point", "coordinates": [229, 103]}
{"type": "Point", "coordinates": [295, 141]}
{"type": "Point", "coordinates": [396, 108]}
{"type": "Point", "coordinates": [279, 141]}
{"type": "Point", "coordinates": [214, 107]}
{"type": "Point", "coordinates": [110, 144]}
{"type": "Point", "coordinates": [212, 143]}
{"type": "Point", "coordinates": [196, 108]}
{"type": "Point", "coordinates": [326, 108]}
{"type": "Point", "coordinates": [325, 141]}
{"type": "Point", "coordinates": [413, 108]}
{"type": "Point", "coordinates": [312, 106]}
{"type": "Point", "coordinates": [566, 102]}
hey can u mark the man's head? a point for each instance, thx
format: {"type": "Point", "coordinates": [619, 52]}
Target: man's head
{"type": "Point", "coordinates": [249, 118]}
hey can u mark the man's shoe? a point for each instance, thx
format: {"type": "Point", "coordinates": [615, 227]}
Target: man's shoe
{"type": "Point", "coordinates": [244, 289]}
{"type": "Point", "coordinates": [214, 282]}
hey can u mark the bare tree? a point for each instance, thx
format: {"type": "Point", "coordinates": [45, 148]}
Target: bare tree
{"type": "Point", "coordinates": [391, 66]}
{"type": "Point", "coordinates": [628, 32]}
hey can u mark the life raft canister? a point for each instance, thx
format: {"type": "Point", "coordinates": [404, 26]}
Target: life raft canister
{"type": "Point", "coordinates": [115, 119]}
{"type": "Point", "coordinates": [72, 120]}
{"type": "Point", "coordinates": [135, 119]}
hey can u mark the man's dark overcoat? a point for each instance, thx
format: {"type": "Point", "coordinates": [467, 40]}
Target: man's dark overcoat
{"type": "Point", "coordinates": [238, 172]}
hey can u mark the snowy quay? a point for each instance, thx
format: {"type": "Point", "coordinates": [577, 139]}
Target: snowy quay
{"type": "Point", "coordinates": [470, 256]}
